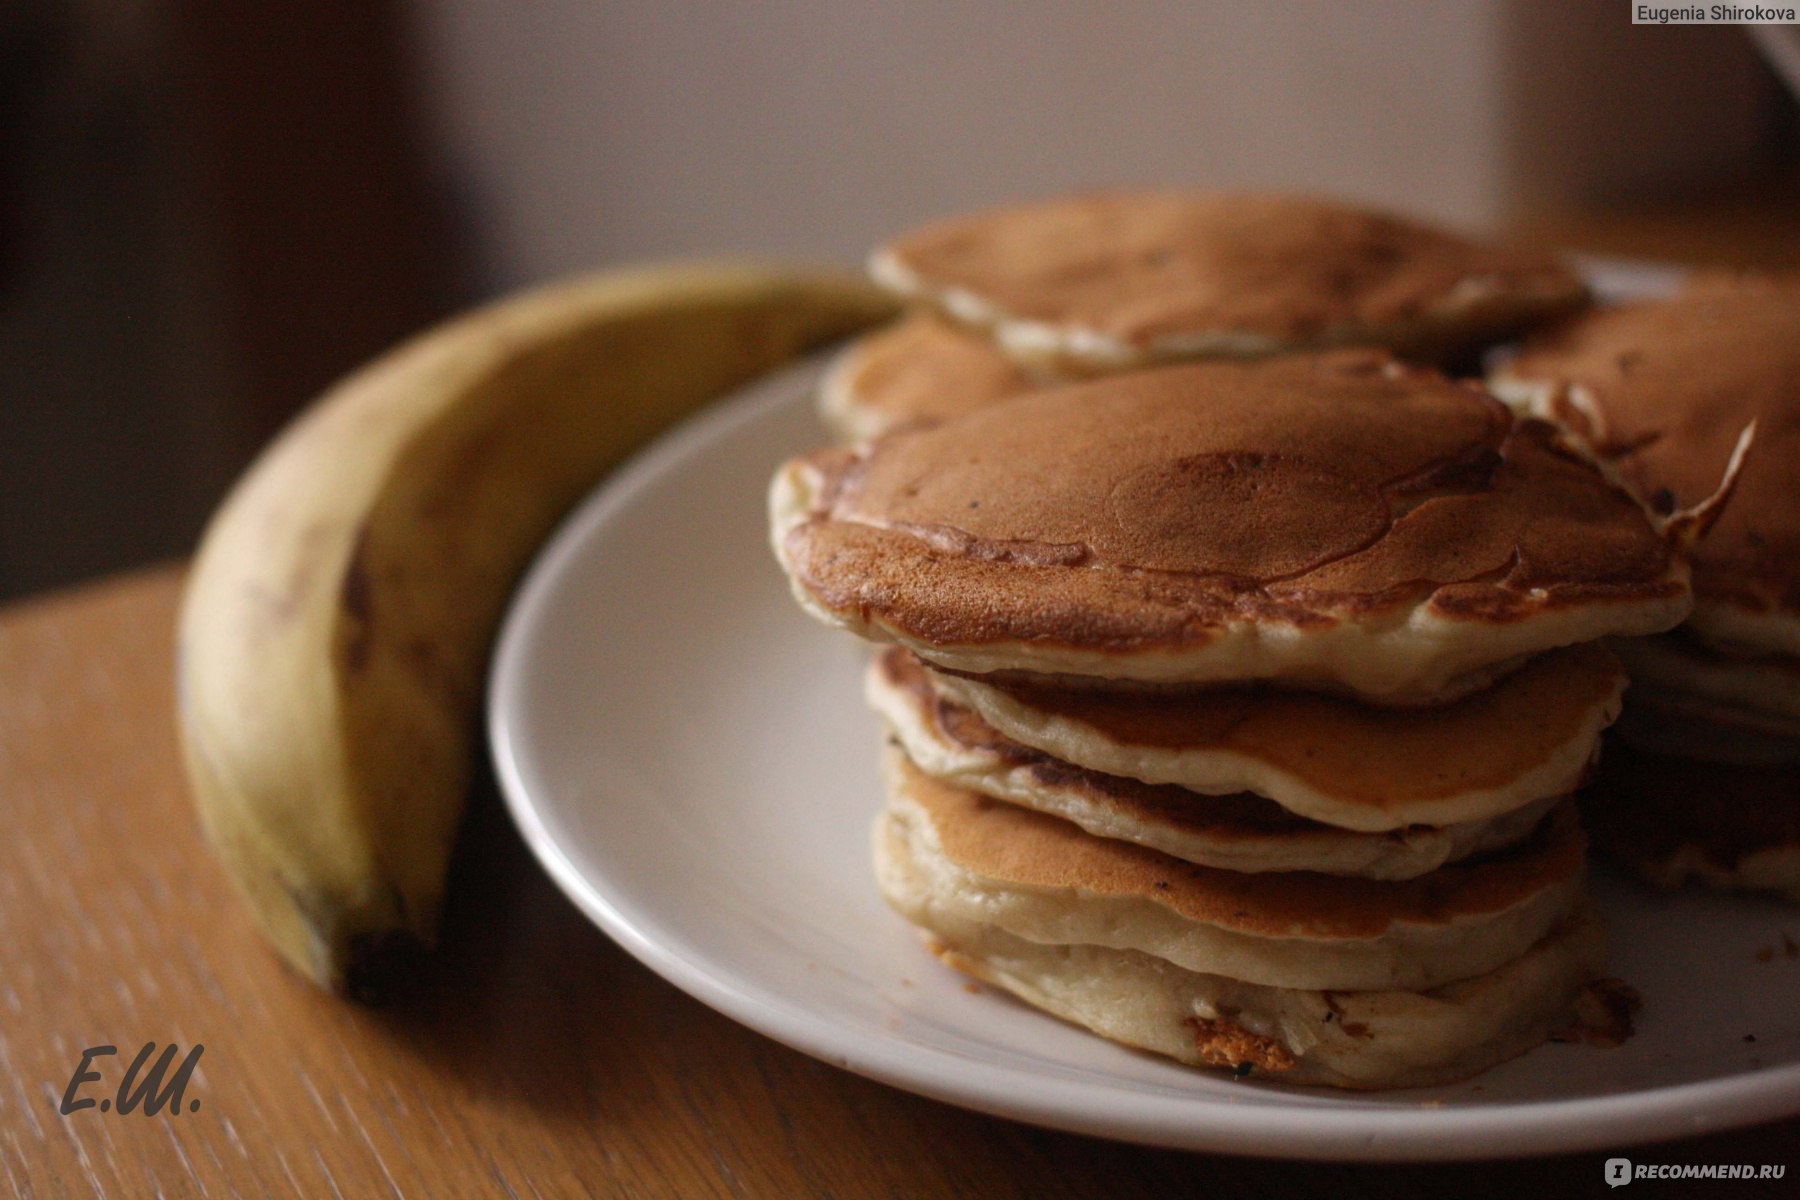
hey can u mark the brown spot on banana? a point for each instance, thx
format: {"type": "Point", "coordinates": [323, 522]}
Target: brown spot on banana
{"type": "Point", "coordinates": [356, 596]}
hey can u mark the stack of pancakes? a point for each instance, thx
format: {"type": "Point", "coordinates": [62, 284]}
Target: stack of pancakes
{"type": "Point", "coordinates": [1014, 298]}
{"type": "Point", "coordinates": [1234, 705]}
{"type": "Point", "coordinates": [1704, 779]}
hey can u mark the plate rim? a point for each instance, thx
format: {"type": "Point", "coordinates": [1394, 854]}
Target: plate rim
{"type": "Point", "coordinates": [1202, 1123]}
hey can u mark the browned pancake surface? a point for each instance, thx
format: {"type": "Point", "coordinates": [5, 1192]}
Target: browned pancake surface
{"type": "Point", "coordinates": [1675, 382]}
{"type": "Point", "coordinates": [1359, 753]}
{"type": "Point", "coordinates": [1150, 509]}
{"type": "Point", "coordinates": [1239, 814]}
{"type": "Point", "coordinates": [924, 370]}
{"type": "Point", "coordinates": [1017, 846]}
{"type": "Point", "coordinates": [1144, 266]}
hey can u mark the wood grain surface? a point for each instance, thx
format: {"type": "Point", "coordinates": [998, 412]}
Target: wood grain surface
{"type": "Point", "coordinates": [538, 1061]}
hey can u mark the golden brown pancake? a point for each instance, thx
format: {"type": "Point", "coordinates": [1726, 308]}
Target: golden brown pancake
{"type": "Point", "coordinates": [1237, 831]}
{"type": "Point", "coordinates": [1046, 880]}
{"type": "Point", "coordinates": [1664, 388]}
{"type": "Point", "coordinates": [1330, 758]}
{"type": "Point", "coordinates": [918, 371]}
{"type": "Point", "coordinates": [1673, 819]}
{"type": "Point", "coordinates": [1028, 850]}
{"type": "Point", "coordinates": [1336, 521]}
{"type": "Point", "coordinates": [1120, 279]}
{"type": "Point", "coordinates": [1360, 1040]}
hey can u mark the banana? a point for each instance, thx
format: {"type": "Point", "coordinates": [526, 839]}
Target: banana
{"type": "Point", "coordinates": [334, 631]}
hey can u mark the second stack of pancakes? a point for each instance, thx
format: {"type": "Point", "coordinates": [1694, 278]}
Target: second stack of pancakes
{"type": "Point", "coordinates": [1234, 707]}
{"type": "Point", "coordinates": [1702, 780]}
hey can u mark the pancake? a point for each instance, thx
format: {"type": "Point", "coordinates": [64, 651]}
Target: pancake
{"type": "Point", "coordinates": [1044, 880]}
{"type": "Point", "coordinates": [1332, 522]}
{"type": "Point", "coordinates": [918, 371]}
{"type": "Point", "coordinates": [1101, 282]}
{"type": "Point", "coordinates": [1673, 820]}
{"type": "Point", "coordinates": [1759, 693]}
{"type": "Point", "coordinates": [1233, 832]}
{"type": "Point", "coordinates": [1664, 388]}
{"type": "Point", "coordinates": [1353, 1039]}
{"type": "Point", "coordinates": [1359, 1040]}
{"type": "Point", "coordinates": [1352, 765]}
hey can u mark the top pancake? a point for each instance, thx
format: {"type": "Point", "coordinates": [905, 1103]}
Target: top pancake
{"type": "Point", "coordinates": [1337, 521]}
{"type": "Point", "coordinates": [1665, 388]}
{"type": "Point", "coordinates": [918, 371]}
{"type": "Point", "coordinates": [1119, 279]}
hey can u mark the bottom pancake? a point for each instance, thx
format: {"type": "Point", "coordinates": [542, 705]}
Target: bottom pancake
{"type": "Point", "coordinates": [1675, 819]}
{"type": "Point", "coordinates": [1350, 1039]}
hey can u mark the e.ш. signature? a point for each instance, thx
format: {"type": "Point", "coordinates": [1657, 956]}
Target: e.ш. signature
{"type": "Point", "coordinates": [150, 1093]}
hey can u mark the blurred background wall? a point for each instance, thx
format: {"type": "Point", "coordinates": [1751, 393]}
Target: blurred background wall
{"type": "Point", "coordinates": [208, 211]}
{"type": "Point", "coordinates": [592, 131]}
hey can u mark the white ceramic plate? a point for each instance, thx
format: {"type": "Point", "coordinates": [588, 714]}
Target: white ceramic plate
{"type": "Point", "coordinates": [689, 757]}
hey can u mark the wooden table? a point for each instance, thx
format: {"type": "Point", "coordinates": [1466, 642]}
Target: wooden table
{"type": "Point", "coordinates": [539, 1060]}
